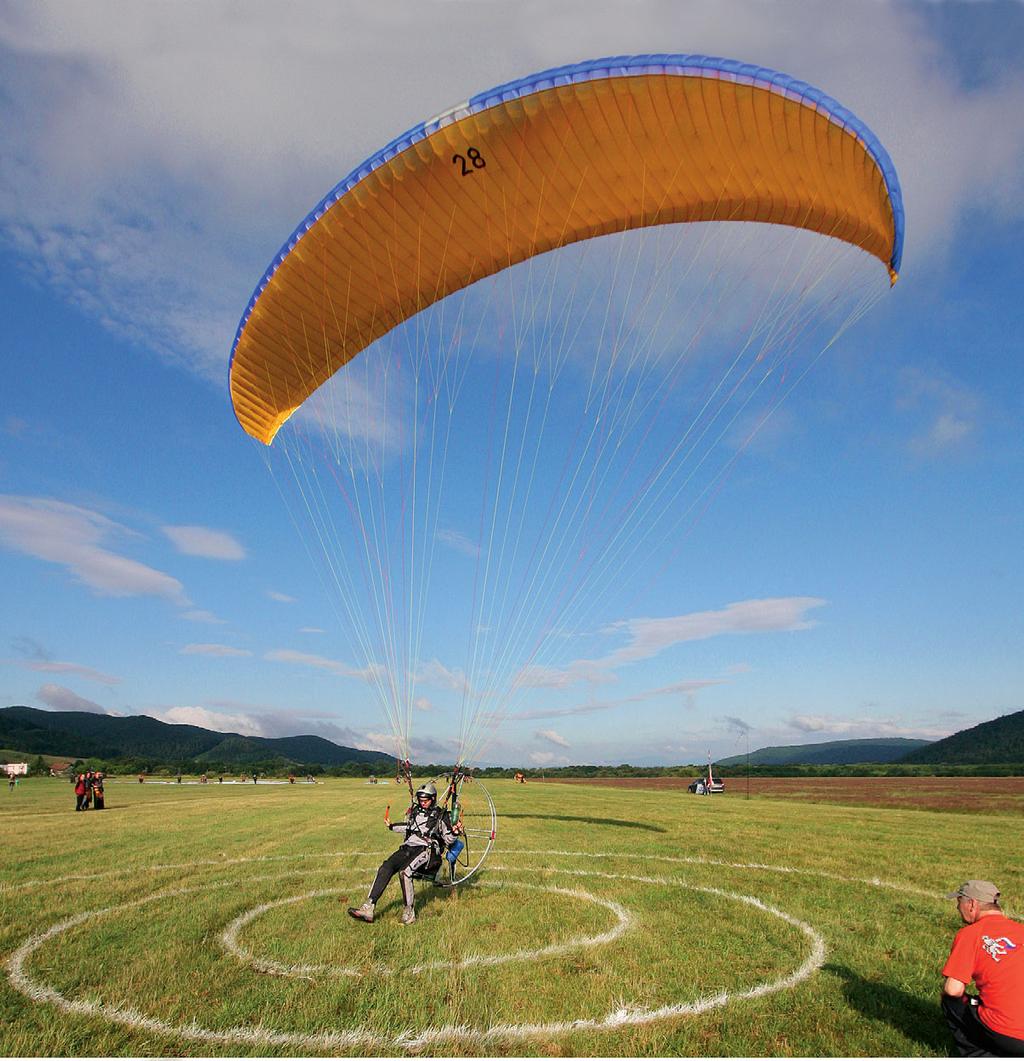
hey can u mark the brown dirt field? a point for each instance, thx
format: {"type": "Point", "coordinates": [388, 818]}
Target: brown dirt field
{"type": "Point", "coordinates": [957, 795]}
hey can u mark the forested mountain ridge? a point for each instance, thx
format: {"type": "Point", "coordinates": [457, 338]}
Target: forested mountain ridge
{"type": "Point", "coordinates": [83, 734]}
{"type": "Point", "coordinates": [831, 753]}
{"type": "Point", "coordinates": [998, 741]}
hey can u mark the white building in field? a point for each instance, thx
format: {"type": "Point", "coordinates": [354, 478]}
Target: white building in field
{"type": "Point", "coordinates": [15, 769]}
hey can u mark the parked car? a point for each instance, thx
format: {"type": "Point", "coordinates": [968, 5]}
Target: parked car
{"type": "Point", "coordinates": [717, 784]}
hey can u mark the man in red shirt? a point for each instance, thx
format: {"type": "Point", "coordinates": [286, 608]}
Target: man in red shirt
{"type": "Point", "coordinates": [989, 950]}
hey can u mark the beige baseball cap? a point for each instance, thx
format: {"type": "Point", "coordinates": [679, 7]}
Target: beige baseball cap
{"type": "Point", "coordinates": [982, 890]}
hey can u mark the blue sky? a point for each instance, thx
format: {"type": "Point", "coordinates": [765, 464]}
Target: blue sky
{"type": "Point", "coordinates": [858, 574]}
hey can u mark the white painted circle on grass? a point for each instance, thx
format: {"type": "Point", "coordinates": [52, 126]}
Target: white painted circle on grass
{"type": "Point", "coordinates": [260, 1035]}
{"type": "Point", "coordinates": [229, 938]}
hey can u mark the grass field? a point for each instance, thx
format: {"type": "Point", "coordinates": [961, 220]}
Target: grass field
{"type": "Point", "coordinates": [211, 919]}
{"type": "Point", "coordinates": [963, 795]}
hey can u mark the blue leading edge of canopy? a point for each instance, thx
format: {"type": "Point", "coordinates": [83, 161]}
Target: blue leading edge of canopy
{"type": "Point", "coordinates": [594, 69]}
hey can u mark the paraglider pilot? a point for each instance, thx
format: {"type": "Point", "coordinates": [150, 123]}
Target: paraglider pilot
{"type": "Point", "coordinates": [428, 829]}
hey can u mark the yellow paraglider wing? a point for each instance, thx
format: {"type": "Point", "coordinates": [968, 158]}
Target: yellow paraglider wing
{"type": "Point", "coordinates": [566, 155]}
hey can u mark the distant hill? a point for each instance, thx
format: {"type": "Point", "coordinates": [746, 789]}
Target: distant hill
{"type": "Point", "coordinates": [82, 734]}
{"type": "Point", "coordinates": [998, 741]}
{"type": "Point", "coordinates": [834, 753]}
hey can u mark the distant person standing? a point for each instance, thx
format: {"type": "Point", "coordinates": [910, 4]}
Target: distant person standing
{"type": "Point", "coordinates": [254, 777]}
{"type": "Point", "coordinates": [80, 792]}
{"type": "Point", "coordinates": [988, 950]}
{"type": "Point", "coordinates": [97, 792]}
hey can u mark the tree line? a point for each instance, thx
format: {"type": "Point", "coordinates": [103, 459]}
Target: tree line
{"type": "Point", "coordinates": [127, 765]}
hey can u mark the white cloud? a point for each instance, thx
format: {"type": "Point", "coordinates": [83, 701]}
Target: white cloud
{"type": "Point", "coordinates": [944, 411]}
{"type": "Point", "coordinates": [436, 673]}
{"type": "Point", "coordinates": [59, 698]}
{"type": "Point", "coordinates": [201, 615]}
{"type": "Point", "coordinates": [548, 759]}
{"type": "Point", "coordinates": [948, 430]}
{"type": "Point", "coordinates": [246, 725]}
{"type": "Point", "coordinates": [353, 406]}
{"type": "Point", "coordinates": [459, 542]}
{"type": "Point", "coordinates": [288, 722]}
{"type": "Point", "coordinates": [281, 598]}
{"type": "Point", "coordinates": [552, 737]}
{"type": "Point", "coordinates": [378, 742]}
{"type": "Point", "coordinates": [421, 703]}
{"type": "Point", "coordinates": [687, 689]}
{"type": "Point", "coordinates": [312, 630]}
{"type": "Point", "coordinates": [591, 671]}
{"type": "Point", "coordinates": [78, 540]}
{"type": "Point", "coordinates": [649, 637]}
{"type": "Point", "coordinates": [866, 727]}
{"type": "Point", "coordinates": [811, 723]}
{"type": "Point", "coordinates": [440, 751]}
{"type": "Point", "coordinates": [424, 749]}
{"type": "Point", "coordinates": [202, 541]}
{"type": "Point", "coordinates": [213, 650]}
{"type": "Point", "coordinates": [53, 667]}
{"type": "Point", "coordinates": [306, 659]}
{"type": "Point", "coordinates": [343, 735]}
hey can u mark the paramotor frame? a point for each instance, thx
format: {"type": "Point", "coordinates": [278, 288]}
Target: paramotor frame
{"type": "Point", "coordinates": [479, 828]}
